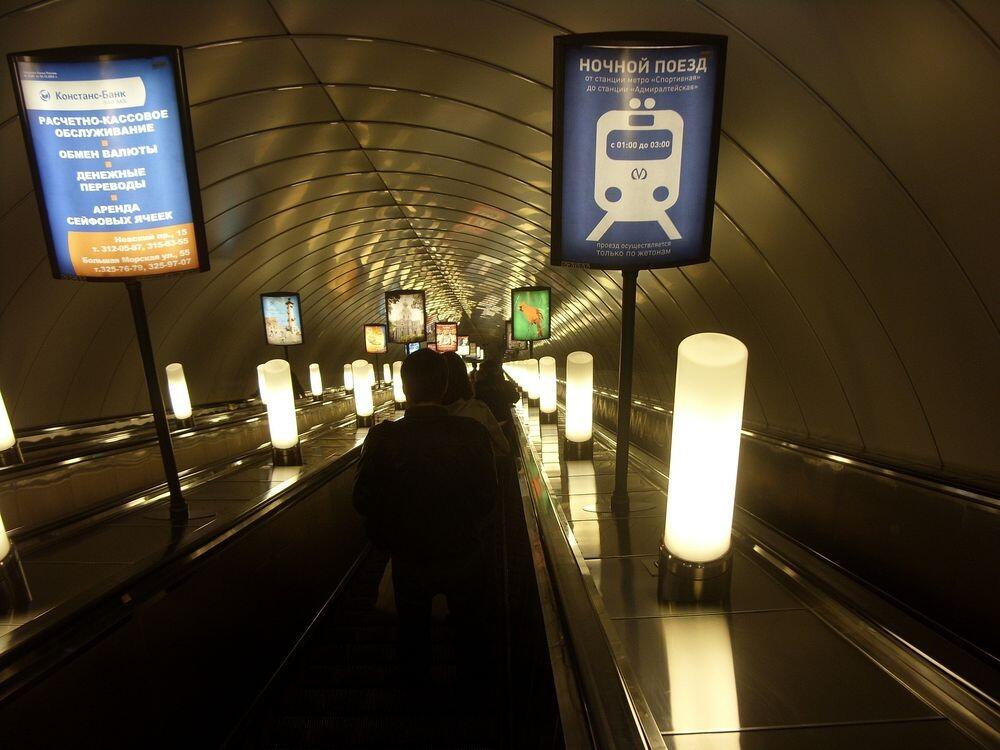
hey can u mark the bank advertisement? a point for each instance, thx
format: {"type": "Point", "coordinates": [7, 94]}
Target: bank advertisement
{"type": "Point", "coordinates": [446, 335]}
{"type": "Point", "coordinates": [530, 313]}
{"type": "Point", "coordinates": [282, 318]}
{"type": "Point", "coordinates": [406, 312]}
{"type": "Point", "coordinates": [109, 144]}
{"type": "Point", "coordinates": [636, 122]}
{"type": "Point", "coordinates": [375, 341]}
{"type": "Point", "coordinates": [512, 344]}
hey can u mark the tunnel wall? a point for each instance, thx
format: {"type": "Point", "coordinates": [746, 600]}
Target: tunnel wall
{"type": "Point", "coordinates": [346, 149]}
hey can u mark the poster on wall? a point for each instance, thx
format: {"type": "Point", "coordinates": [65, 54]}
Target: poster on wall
{"type": "Point", "coordinates": [109, 143]}
{"type": "Point", "coordinates": [530, 313]}
{"type": "Point", "coordinates": [446, 335]}
{"type": "Point", "coordinates": [473, 349]}
{"type": "Point", "coordinates": [512, 344]}
{"type": "Point", "coordinates": [414, 347]}
{"type": "Point", "coordinates": [282, 318]}
{"type": "Point", "coordinates": [375, 338]}
{"type": "Point", "coordinates": [636, 122]}
{"type": "Point", "coordinates": [405, 311]}
{"type": "Point", "coordinates": [463, 346]}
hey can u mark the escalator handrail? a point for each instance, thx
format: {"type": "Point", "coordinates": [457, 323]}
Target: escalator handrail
{"type": "Point", "coordinates": [617, 714]}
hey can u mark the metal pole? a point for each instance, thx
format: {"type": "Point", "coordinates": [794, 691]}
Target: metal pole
{"type": "Point", "coordinates": [178, 506]}
{"type": "Point", "coordinates": [620, 495]}
{"type": "Point", "coordinates": [531, 349]}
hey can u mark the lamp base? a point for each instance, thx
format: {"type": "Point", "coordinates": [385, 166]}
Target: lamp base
{"type": "Point", "coordinates": [573, 451]}
{"type": "Point", "coordinates": [533, 403]}
{"type": "Point", "coordinates": [184, 424]}
{"type": "Point", "coordinates": [689, 582]}
{"type": "Point", "coordinates": [12, 456]}
{"type": "Point", "coordinates": [548, 417]}
{"type": "Point", "coordinates": [317, 398]}
{"type": "Point", "coordinates": [287, 456]}
{"type": "Point", "coordinates": [368, 421]}
{"type": "Point", "coordinates": [14, 592]}
{"type": "Point", "coordinates": [399, 405]}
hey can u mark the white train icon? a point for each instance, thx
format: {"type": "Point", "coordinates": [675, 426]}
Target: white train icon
{"type": "Point", "coordinates": [637, 169]}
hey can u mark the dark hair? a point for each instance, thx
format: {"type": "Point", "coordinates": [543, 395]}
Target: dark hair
{"type": "Point", "coordinates": [425, 377]}
{"type": "Point", "coordinates": [458, 379]}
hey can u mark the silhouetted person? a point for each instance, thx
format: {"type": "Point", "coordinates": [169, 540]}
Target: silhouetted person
{"type": "Point", "coordinates": [460, 402]}
{"type": "Point", "coordinates": [495, 390]}
{"type": "Point", "coordinates": [426, 485]}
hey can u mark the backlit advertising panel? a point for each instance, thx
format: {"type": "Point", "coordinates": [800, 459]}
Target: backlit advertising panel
{"type": "Point", "coordinates": [446, 335]}
{"type": "Point", "coordinates": [636, 122]}
{"type": "Point", "coordinates": [473, 349]}
{"type": "Point", "coordinates": [405, 312]}
{"type": "Point", "coordinates": [463, 346]}
{"type": "Point", "coordinates": [109, 144]}
{"type": "Point", "coordinates": [282, 318]}
{"type": "Point", "coordinates": [375, 338]}
{"type": "Point", "coordinates": [530, 313]}
{"type": "Point", "coordinates": [512, 344]}
{"type": "Point", "coordinates": [414, 347]}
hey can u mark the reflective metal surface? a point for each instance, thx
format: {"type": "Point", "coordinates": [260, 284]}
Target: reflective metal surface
{"type": "Point", "coordinates": [761, 669]}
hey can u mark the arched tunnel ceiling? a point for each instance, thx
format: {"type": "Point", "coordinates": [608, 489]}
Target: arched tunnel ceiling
{"type": "Point", "coordinates": [348, 148]}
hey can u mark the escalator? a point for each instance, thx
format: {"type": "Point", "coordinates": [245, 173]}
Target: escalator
{"type": "Point", "coordinates": [344, 688]}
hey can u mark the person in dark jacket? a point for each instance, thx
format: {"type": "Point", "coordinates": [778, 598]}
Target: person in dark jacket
{"type": "Point", "coordinates": [495, 390]}
{"type": "Point", "coordinates": [426, 485]}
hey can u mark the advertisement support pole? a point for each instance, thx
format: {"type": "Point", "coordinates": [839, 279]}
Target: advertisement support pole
{"type": "Point", "coordinates": [178, 506]}
{"type": "Point", "coordinates": [531, 350]}
{"type": "Point", "coordinates": [296, 385]}
{"type": "Point", "coordinates": [620, 494]}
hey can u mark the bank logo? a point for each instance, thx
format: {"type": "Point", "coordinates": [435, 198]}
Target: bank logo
{"type": "Point", "coordinates": [44, 95]}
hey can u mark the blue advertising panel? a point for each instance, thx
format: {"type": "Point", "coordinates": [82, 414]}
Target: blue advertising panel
{"type": "Point", "coordinates": [636, 120]}
{"type": "Point", "coordinates": [109, 141]}
{"type": "Point", "coordinates": [282, 318]}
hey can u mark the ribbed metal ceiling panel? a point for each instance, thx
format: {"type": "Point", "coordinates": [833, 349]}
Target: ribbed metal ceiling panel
{"type": "Point", "coordinates": [347, 148]}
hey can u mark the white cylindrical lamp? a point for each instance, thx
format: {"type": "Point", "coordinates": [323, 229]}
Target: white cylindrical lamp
{"type": "Point", "coordinates": [547, 390]}
{"type": "Point", "coordinates": [397, 385]}
{"type": "Point", "coordinates": [14, 591]}
{"type": "Point", "coordinates": [260, 384]}
{"type": "Point", "coordinates": [386, 373]}
{"type": "Point", "coordinates": [364, 406]}
{"type": "Point", "coordinates": [316, 381]}
{"type": "Point", "coordinates": [10, 451]}
{"type": "Point", "coordinates": [348, 378]}
{"type": "Point", "coordinates": [579, 444]}
{"type": "Point", "coordinates": [180, 400]}
{"type": "Point", "coordinates": [696, 556]}
{"type": "Point", "coordinates": [531, 381]}
{"type": "Point", "coordinates": [281, 419]}
{"type": "Point", "coordinates": [371, 375]}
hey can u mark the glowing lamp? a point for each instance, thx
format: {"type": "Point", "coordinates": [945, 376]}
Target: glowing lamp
{"type": "Point", "coordinates": [695, 556]}
{"type": "Point", "coordinates": [10, 451]}
{"type": "Point", "coordinates": [14, 592]}
{"type": "Point", "coordinates": [315, 381]}
{"type": "Point", "coordinates": [579, 443]}
{"type": "Point", "coordinates": [348, 378]}
{"type": "Point", "coordinates": [371, 375]}
{"type": "Point", "coordinates": [260, 384]}
{"type": "Point", "coordinates": [386, 373]}
{"type": "Point", "coordinates": [180, 400]}
{"type": "Point", "coordinates": [364, 407]}
{"type": "Point", "coordinates": [397, 385]}
{"type": "Point", "coordinates": [547, 390]}
{"type": "Point", "coordinates": [531, 380]}
{"type": "Point", "coordinates": [281, 421]}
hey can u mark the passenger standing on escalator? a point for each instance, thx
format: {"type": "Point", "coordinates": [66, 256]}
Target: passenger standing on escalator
{"type": "Point", "coordinates": [497, 392]}
{"type": "Point", "coordinates": [427, 485]}
{"type": "Point", "coordinates": [460, 401]}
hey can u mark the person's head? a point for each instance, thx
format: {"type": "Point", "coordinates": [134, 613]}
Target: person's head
{"type": "Point", "coordinates": [489, 371]}
{"type": "Point", "coordinates": [425, 377]}
{"type": "Point", "coordinates": [459, 386]}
